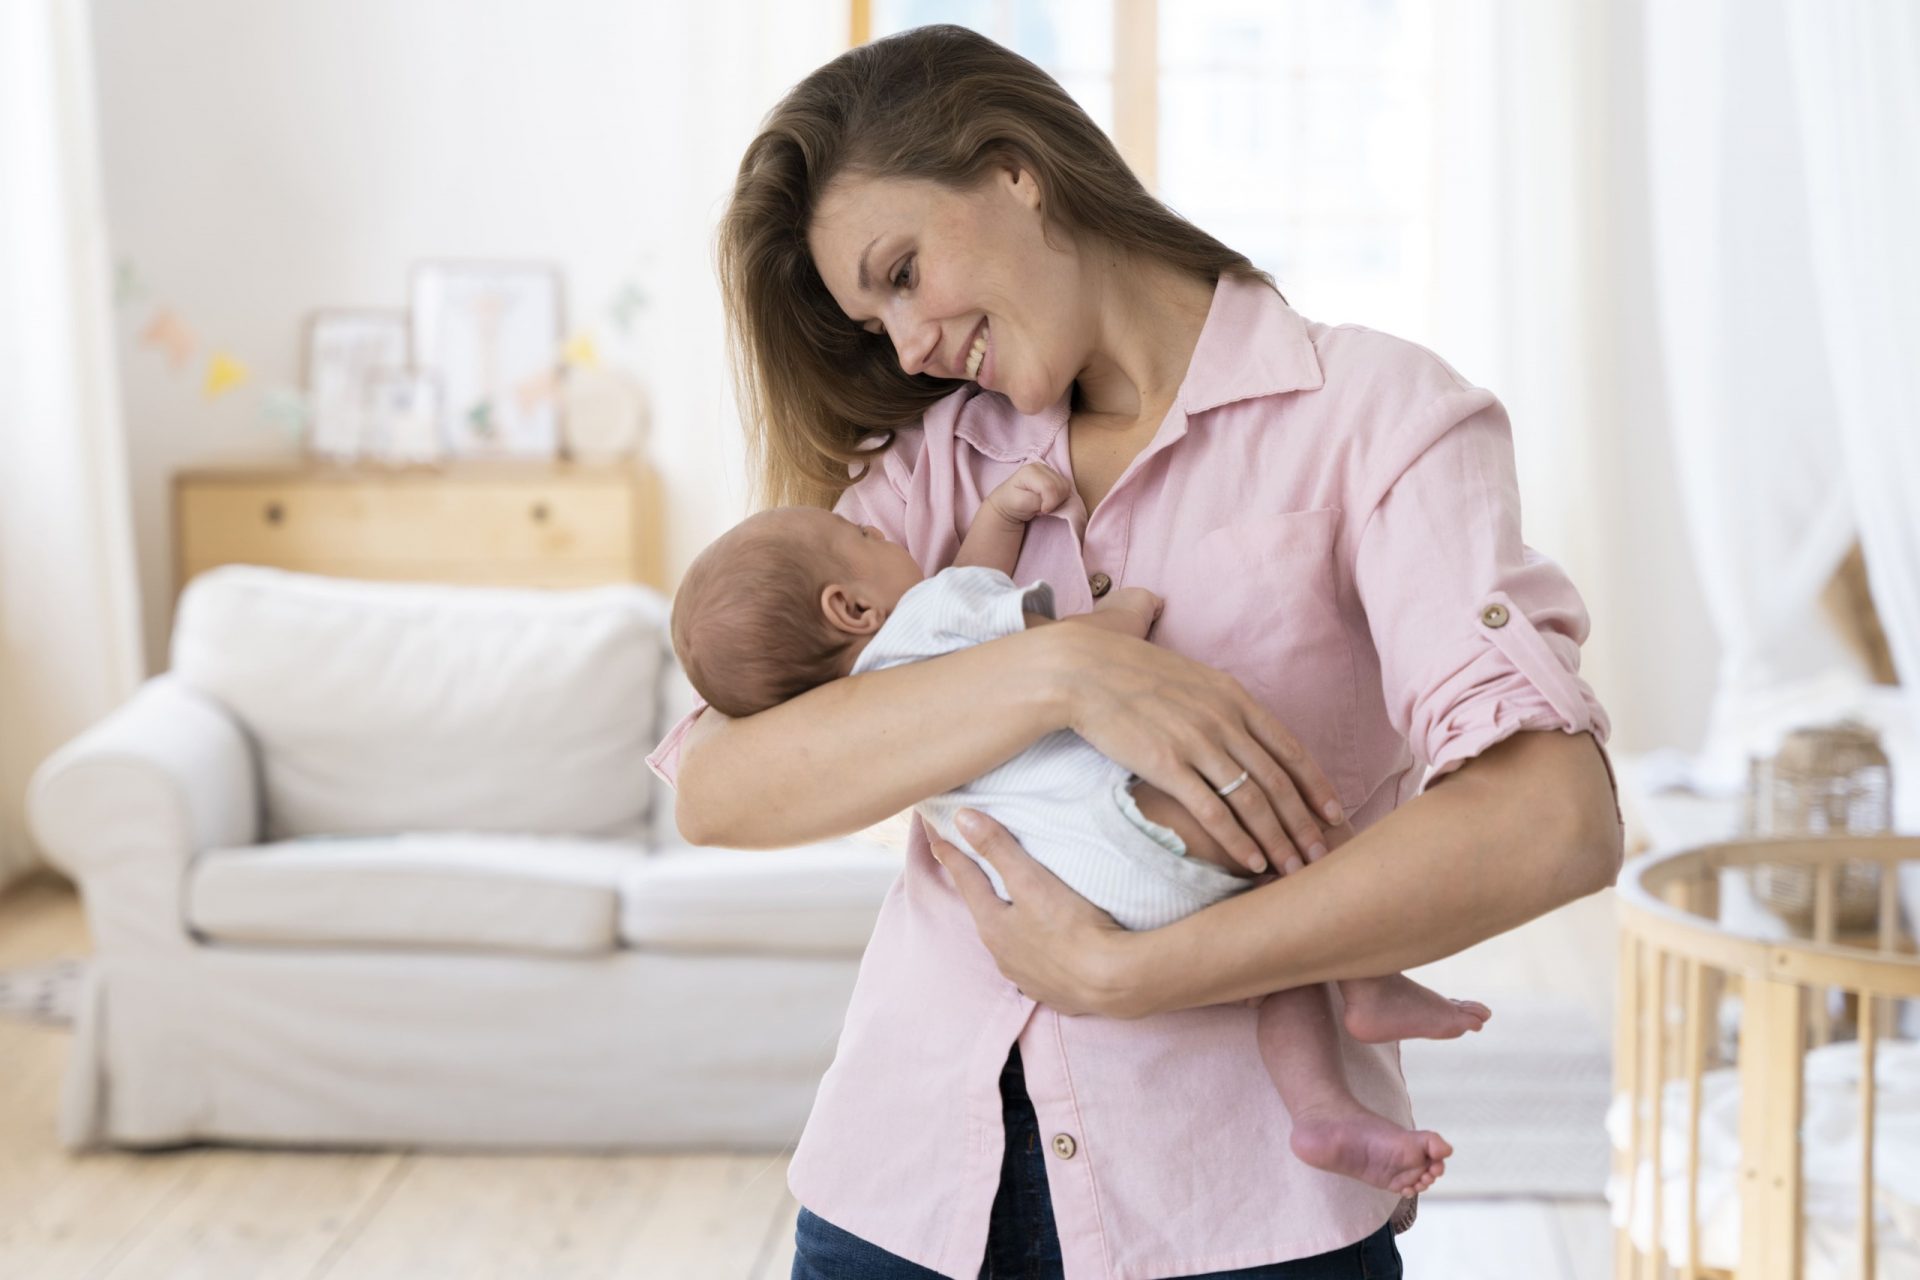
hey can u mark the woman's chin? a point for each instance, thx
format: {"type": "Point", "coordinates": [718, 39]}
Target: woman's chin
{"type": "Point", "coordinates": [1023, 399]}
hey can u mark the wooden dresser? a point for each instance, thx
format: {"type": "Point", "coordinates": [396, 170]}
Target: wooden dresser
{"type": "Point", "coordinates": [495, 523]}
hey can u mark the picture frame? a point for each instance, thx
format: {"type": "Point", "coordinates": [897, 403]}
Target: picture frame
{"type": "Point", "coordinates": [343, 346]}
{"type": "Point", "coordinates": [404, 418]}
{"type": "Point", "coordinates": [491, 333]}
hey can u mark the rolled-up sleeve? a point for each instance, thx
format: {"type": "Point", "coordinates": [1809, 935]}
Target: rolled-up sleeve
{"type": "Point", "coordinates": [664, 760]}
{"type": "Point", "coordinates": [878, 498]}
{"type": "Point", "coordinates": [1478, 634]}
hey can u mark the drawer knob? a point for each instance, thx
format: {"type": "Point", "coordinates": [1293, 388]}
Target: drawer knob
{"type": "Point", "coordinates": [540, 513]}
{"type": "Point", "coordinates": [275, 513]}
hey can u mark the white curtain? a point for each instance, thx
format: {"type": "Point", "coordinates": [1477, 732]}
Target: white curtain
{"type": "Point", "coordinates": [1519, 250]}
{"type": "Point", "coordinates": [1780, 280]}
{"type": "Point", "coordinates": [1856, 75]}
{"type": "Point", "coordinates": [733, 61]}
{"type": "Point", "coordinates": [69, 603]}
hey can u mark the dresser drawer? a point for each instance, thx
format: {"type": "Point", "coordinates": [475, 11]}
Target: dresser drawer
{"type": "Point", "coordinates": [296, 525]}
{"type": "Point", "coordinates": [560, 524]}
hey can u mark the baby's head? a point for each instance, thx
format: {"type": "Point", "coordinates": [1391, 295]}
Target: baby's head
{"type": "Point", "coordinates": [782, 602]}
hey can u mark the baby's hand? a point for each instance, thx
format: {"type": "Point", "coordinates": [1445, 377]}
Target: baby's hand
{"type": "Point", "coordinates": [1030, 491]}
{"type": "Point", "coordinates": [1137, 606]}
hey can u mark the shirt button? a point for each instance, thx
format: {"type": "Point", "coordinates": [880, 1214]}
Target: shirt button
{"type": "Point", "coordinates": [1063, 1145]}
{"type": "Point", "coordinates": [1494, 615]}
{"type": "Point", "coordinates": [1100, 582]}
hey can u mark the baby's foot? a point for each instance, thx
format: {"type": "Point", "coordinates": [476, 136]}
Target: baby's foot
{"type": "Point", "coordinates": [1371, 1148]}
{"type": "Point", "coordinates": [1380, 1010]}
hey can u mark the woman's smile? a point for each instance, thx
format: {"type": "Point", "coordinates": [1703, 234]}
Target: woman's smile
{"type": "Point", "coordinates": [977, 353]}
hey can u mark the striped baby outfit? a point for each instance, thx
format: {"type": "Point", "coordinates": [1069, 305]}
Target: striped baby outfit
{"type": "Point", "coordinates": [1070, 807]}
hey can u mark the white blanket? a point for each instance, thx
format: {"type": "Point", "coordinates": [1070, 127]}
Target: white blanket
{"type": "Point", "coordinates": [1830, 1166]}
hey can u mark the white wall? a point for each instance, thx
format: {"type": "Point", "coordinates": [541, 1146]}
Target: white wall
{"type": "Point", "coordinates": [265, 158]}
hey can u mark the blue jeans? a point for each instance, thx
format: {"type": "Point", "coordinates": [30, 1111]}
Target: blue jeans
{"type": "Point", "coordinates": [1022, 1243]}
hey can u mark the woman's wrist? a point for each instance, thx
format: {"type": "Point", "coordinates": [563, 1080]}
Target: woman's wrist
{"type": "Point", "coordinates": [1127, 979]}
{"type": "Point", "coordinates": [1176, 966]}
{"type": "Point", "coordinates": [1057, 659]}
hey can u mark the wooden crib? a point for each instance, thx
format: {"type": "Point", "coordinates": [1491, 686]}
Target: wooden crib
{"type": "Point", "coordinates": [1683, 976]}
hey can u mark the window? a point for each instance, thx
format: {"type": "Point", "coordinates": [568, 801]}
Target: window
{"type": "Point", "coordinates": [1071, 39]}
{"type": "Point", "coordinates": [1297, 132]}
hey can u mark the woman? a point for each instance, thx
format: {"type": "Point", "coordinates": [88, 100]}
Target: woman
{"type": "Point", "coordinates": [938, 269]}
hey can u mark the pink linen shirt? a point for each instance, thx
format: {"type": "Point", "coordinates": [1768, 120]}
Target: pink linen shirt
{"type": "Point", "coordinates": [1331, 515]}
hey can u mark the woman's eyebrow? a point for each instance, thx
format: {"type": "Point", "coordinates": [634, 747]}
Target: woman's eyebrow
{"type": "Point", "coordinates": [865, 279]}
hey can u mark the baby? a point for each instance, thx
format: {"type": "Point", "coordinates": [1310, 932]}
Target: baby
{"type": "Point", "coordinates": [797, 596]}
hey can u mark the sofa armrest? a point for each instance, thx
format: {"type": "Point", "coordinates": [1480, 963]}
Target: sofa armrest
{"type": "Point", "coordinates": [125, 807]}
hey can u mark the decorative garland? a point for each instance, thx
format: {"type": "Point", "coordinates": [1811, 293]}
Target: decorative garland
{"type": "Point", "coordinates": [283, 406]}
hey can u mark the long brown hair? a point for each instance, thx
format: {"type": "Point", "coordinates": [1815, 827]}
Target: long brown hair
{"type": "Point", "coordinates": [941, 104]}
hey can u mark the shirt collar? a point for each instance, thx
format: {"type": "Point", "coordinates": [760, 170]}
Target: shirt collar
{"type": "Point", "coordinates": [1251, 344]}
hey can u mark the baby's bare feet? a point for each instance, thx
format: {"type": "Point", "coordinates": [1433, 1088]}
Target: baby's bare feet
{"type": "Point", "coordinates": [1359, 1144]}
{"type": "Point", "coordinates": [1380, 1010]}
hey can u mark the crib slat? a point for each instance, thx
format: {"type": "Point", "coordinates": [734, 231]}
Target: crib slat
{"type": "Point", "coordinates": [1772, 1040]}
{"type": "Point", "coordinates": [1627, 1075]}
{"type": "Point", "coordinates": [1869, 1032]}
{"type": "Point", "coordinates": [1823, 902]}
{"type": "Point", "coordinates": [1696, 1000]}
{"type": "Point", "coordinates": [1655, 1045]}
{"type": "Point", "coordinates": [1706, 905]}
{"type": "Point", "coordinates": [1823, 912]}
{"type": "Point", "coordinates": [1889, 906]}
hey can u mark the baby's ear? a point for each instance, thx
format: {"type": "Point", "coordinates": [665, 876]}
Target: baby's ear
{"type": "Point", "coordinates": [846, 611]}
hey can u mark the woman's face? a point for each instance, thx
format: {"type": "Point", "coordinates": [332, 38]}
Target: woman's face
{"type": "Point", "coordinates": [944, 273]}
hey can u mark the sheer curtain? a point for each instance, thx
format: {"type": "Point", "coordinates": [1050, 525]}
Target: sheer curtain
{"type": "Point", "coordinates": [1856, 73]}
{"type": "Point", "coordinates": [69, 604]}
{"type": "Point", "coordinates": [1784, 196]}
{"type": "Point", "coordinates": [723, 77]}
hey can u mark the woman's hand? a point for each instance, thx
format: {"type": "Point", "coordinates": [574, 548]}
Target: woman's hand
{"type": "Point", "coordinates": [1190, 730]}
{"type": "Point", "coordinates": [1052, 943]}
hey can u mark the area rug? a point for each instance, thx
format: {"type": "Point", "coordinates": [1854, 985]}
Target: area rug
{"type": "Point", "coordinates": [45, 993]}
{"type": "Point", "coordinates": [1523, 1101]}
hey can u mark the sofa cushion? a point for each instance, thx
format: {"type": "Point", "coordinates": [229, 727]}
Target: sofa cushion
{"type": "Point", "coordinates": [394, 707]}
{"type": "Point", "coordinates": [441, 889]}
{"type": "Point", "coordinates": [817, 899]}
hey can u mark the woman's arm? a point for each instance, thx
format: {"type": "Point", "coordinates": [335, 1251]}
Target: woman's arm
{"type": "Point", "coordinates": [1524, 827]}
{"type": "Point", "coordinates": [855, 751]}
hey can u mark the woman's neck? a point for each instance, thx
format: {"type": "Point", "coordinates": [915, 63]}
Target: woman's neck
{"type": "Point", "coordinates": [1146, 319]}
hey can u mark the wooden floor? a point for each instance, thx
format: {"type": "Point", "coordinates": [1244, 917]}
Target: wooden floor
{"type": "Point", "coordinates": [234, 1214]}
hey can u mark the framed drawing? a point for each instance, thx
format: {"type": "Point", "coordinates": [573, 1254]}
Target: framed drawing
{"type": "Point", "coordinates": [343, 348]}
{"type": "Point", "coordinates": [403, 418]}
{"type": "Point", "coordinates": [490, 332]}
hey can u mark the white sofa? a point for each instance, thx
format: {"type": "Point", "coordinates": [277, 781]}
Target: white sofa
{"type": "Point", "coordinates": [380, 864]}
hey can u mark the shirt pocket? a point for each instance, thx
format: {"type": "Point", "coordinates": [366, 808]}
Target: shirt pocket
{"type": "Point", "coordinates": [1259, 599]}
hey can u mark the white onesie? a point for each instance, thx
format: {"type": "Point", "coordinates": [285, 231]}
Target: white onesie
{"type": "Point", "coordinates": [1070, 807]}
